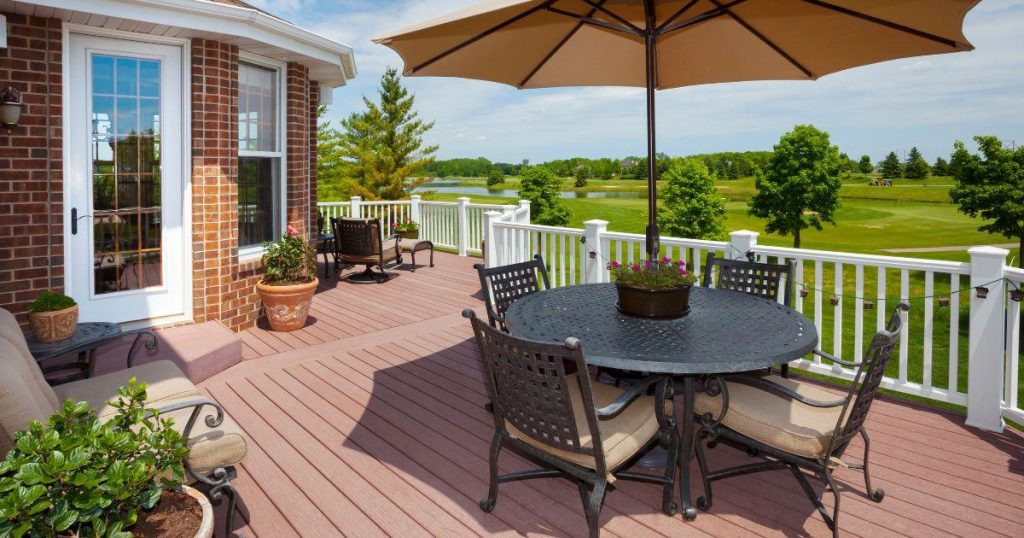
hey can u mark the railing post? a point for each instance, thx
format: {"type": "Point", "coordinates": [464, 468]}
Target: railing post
{"type": "Point", "coordinates": [525, 204]}
{"type": "Point", "coordinates": [414, 208]}
{"type": "Point", "coordinates": [597, 270]}
{"type": "Point", "coordinates": [356, 211]}
{"type": "Point", "coordinates": [463, 225]}
{"type": "Point", "coordinates": [986, 340]}
{"type": "Point", "coordinates": [741, 242]}
{"type": "Point", "coordinates": [490, 239]}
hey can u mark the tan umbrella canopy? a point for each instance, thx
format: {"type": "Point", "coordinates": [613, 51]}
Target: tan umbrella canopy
{"type": "Point", "coordinates": [662, 44]}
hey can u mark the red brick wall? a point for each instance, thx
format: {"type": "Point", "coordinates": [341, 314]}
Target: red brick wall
{"type": "Point", "coordinates": [298, 135]}
{"type": "Point", "coordinates": [314, 104]}
{"type": "Point", "coordinates": [31, 174]}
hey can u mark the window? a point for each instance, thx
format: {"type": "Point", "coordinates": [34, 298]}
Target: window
{"type": "Point", "coordinates": [260, 155]}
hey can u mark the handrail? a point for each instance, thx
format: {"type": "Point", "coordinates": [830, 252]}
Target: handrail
{"type": "Point", "coordinates": [889, 262]}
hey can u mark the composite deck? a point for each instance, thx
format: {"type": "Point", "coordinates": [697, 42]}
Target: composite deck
{"type": "Point", "coordinates": [370, 422]}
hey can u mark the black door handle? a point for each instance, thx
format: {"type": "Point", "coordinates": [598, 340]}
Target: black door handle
{"type": "Point", "coordinates": [74, 221]}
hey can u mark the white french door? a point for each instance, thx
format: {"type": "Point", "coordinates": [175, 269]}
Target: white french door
{"type": "Point", "coordinates": [124, 237]}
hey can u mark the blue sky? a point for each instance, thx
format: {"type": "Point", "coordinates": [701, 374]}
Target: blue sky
{"type": "Point", "coordinates": [926, 102]}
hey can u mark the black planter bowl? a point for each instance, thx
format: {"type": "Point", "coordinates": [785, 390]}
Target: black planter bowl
{"type": "Point", "coordinates": [656, 304]}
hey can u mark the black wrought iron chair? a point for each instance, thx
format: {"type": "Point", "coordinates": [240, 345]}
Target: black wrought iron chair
{"type": "Point", "coordinates": [765, 280]}
{"type": "Point", "coordinates": [551, 415]}
{"type": "Point", "coordinates": [360, 242]}
{"type": "Point", "coordinates": [502, 286]}
{"type": "Point", "coordinates": [324, 242]}
{"type": "Point", "coordinates": [794, 424]}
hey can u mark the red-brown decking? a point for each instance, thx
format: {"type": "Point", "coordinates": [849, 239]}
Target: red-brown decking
{"type": "Point", "coordinates": [370, 422]}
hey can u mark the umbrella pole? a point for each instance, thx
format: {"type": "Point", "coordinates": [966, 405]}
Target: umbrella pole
{"type": "Point", "coordinates": [653, 234]}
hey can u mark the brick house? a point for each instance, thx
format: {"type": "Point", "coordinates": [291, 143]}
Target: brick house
{"type": "Point", "coordinates": [160, 143]}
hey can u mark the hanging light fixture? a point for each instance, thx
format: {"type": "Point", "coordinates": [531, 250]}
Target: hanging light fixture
{"type": "Point", "coordinates": [10, 108]}
{"type": "Point", "coordinates": [981, 291]}
{"type": "Point", "coordinates": [943, 302]}
{"type": "Point", "coordinates": [869, 304]}
{"type": "Point", "coordinates": [1017, 295]}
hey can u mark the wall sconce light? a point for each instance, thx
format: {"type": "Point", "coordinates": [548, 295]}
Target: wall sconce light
{"type": "Point", "coordinates": [1017, 295]}
{"type": "Point", "coordinates": [10, 108]}
{"type": "Point", "coordinates": [981, 291]}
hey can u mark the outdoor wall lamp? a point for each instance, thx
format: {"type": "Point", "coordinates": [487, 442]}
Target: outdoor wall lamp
{"type": "Point", "coordinates": [10, 108]}
{"type": "Point", "coordinates": [982, 292]}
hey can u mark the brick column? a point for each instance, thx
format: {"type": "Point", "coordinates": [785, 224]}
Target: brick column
{"type": "Point", "coordinates": [31, 165]}
{"type": "Point", "coordinates": [299, 129]}
{"type": "Point", "coordinates": [314, 105]}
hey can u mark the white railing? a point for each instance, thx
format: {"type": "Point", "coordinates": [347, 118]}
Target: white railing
{"type": "Point", "coordinates": [454, 225]}
{"type": "Point", "coordinates": [848, 296]}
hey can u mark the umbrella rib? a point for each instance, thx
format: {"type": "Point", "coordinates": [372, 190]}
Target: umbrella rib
{"type": "Point", "coordinates": [888, 24]}
{"type": "Point", "coordinates": [697, 19]}
{"type": "Point", "coordinates": [595, 22]}
{"type": "Point", "coordinates": [559, 46]}
{"type": "Point", "coordinates": [764, 39]}
{"type": "Point", "coordinates": [676, 15]}
{"type": "Point", "coordinates": [483, 34]}
{"type": "Point", "coordinates": [600, 7]}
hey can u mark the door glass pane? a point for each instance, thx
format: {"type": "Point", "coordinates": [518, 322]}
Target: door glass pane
{"type": "Point", "coordinates": [125, 173]}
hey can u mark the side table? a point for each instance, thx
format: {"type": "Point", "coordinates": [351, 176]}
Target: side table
{"type": "Point", "coordinates": [88, 337]}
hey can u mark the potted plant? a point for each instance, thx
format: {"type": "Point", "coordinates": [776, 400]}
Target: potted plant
{"type": "Point", "coordinates": [289, 281]}
{"type": "Point", "coordinates": [408, 229]}
{"type": "Point", "coordinates": [78, 476]}
{"type": "Point", "coordinates": [52, 316]}
{"type": "Point", "coordinates": [653, 289]}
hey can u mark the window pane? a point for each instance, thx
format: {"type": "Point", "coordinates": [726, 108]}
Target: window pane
{"type": "Point", "coordinates": [257, 195]}
{"type": "Point", "coordinates": [257, 108]}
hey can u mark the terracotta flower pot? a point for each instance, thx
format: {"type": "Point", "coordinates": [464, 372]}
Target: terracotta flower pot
{"type": "Point", "coordinates": [175, 515]}
{"type": "Point", "coordinates": [54, 326]}
{"type": "Point", "coordinates": [287, 306]}
{"type": "Point", "coordinates": [664, 304]}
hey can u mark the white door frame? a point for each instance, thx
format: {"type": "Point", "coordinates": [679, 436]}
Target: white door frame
{"type": "Point", "coordinates": [185, 145]}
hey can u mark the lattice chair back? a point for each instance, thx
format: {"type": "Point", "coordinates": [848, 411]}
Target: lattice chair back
{"type": "Point", "coordinates": [357, 237]}
{"type": "Point", "coordinates": [503, 285]}
{"type": "Point", "coordinates": [765, 280]}
{"type": "Point", "coordinates": [319, 223]}
{"type": "Point", "coordinates": [530, 389]}
{"type": "Point", "coordinates": [867, 381]}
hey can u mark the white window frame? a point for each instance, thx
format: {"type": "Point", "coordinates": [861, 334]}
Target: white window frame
{"type": "Point", "coordinates": [256, 251]}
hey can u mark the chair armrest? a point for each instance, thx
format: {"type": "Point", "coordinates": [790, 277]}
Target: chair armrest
{"type": "Point", "coordinates": [833, 358]}
{"type": "Point", "coordinates": [212, 420]}
{"type": "Point", "coordinates": [784, 391]}
{"type": "Point", "coordinates": [629, 396]}
{"type": "Point", "coordinates": [143, 337]}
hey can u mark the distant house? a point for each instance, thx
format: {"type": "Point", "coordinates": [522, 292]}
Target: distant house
{"type": "Point", "coordinates": [629, 163]}
{"type": "Point", "coordinates": [160, 144]}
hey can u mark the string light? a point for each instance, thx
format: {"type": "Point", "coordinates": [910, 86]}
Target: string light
{"type": "Point", "coordinates": [943, 301]}
{"type": "Point", "coordinates": [869, 304]}
{"type": "Point", "coordinates": [1017, 295]}
{"type": "Point", "coordinates": [981, 291]}
{"type": "Point", "coordinates": [835, 300]}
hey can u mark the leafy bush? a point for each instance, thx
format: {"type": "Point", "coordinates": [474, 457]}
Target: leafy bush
{"type": "Point", "coordinates": [77, 477]}
{"type": "Point", "coordinates": [543, 189]}
{"type": "Point", "coordinates": [693, 206]}
{"type": "Point", "coordinates": [495, 177]}
{"type": "Point", "coordinates": [649, 275]}
{"type": "Point", "coordinates": [289, 260]}
{"type": "Point", "coordinates": [51, 301]}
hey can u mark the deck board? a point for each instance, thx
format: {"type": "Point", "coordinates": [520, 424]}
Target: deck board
{"type": "Point", "coordinates": [369, 422]}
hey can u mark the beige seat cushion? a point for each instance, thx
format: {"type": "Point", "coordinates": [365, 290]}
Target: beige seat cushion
{"type": "Point", "coordinates": [21, 400]}
{"type": "Point", "coordinates": [621, 436]}
{"type": "Point", "coordinates": [164, 380]}
{"type": "Point", "coordinates": [210, 448]}
{"type": "Point", "coordinates": [776, 421]}
{"type": "Point", "coordinates": [388, 248]}
{"type": "Point", "coordinates": [10, 331]}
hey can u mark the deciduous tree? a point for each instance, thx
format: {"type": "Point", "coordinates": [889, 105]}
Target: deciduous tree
{"type": "Point", "coordinates": [495, 177]}
{"type": "Point", "coordinates": [542, 188]}
{"type": "Point", "coordinates": [800, 187]}
{"type": "Point", "coordinates": [693, 207]}
{"type": "Point", "coordinates": [991, 186]}
{"type": "Point", "coordinates": [865, 165]}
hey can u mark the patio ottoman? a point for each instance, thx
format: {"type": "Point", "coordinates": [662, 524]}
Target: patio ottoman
{"type": "Point", "coordinates": [412, 246]}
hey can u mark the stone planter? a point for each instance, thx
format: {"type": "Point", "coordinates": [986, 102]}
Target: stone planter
{"type": "Point", "coordinates": [175, 516]}
{"type": "Point", "coordinates": [410, 235]}
{"type": "Point", "coordinates": [658, 304]}
{"type": "Point", "coordinates": [54, 326]}
{"type": "Point", "coordinates": [287, 306]}
{"type": "Point", "coordinates": [206, 527]}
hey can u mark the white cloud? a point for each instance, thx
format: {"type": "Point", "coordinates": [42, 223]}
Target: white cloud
{"type": "Point", "coordinates": [927, 102]}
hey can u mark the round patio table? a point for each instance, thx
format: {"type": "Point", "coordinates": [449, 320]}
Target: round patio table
{"type": "Point", "coordinates": [725, 332]}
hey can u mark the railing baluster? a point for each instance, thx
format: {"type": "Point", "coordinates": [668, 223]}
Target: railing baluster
{"type": "Point", "coordinates": [904, 342]}
{"type": "Point", "coordinates": [929, 290]}
{"type": "Point", "coordinates": [572, 262]}
{"type": "Point", "coordinates": [954, 332]}
{"type": "Point", "coordinates": [880, 303]}
{"type": "Point", "coordinates": [818, 283]}
{"type": "Point", "coordinates": [799, 285]}
{"type": "Point", "coordinates": [858, 313]}
{"type": "Point", "coordinates": [837, 316]}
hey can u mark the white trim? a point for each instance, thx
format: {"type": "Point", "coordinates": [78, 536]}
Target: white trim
{"type": "Point", "coordinates": [82, 29]}
{"type": "Point", "coordinates": [219, 18]}
{"type": "Point", "coordinates": [250, 252]}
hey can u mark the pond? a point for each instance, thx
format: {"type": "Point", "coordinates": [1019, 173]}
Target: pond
{"type": "Point", "coordinates": [455, 188]}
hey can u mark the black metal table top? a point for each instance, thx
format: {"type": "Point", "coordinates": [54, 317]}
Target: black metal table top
{"type": "Point", "coordinates": [725, 332]}
{"type": "Point", "coordinates": [86, 335]}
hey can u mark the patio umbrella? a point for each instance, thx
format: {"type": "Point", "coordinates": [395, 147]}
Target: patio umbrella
{"type": "Point", "coordinates": [662, 44]}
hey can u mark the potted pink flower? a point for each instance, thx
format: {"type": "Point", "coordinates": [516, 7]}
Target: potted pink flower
{"type": "Point", "coordinates": [289, 281]}
{"type": "Point", "coordinates": [407, 228]}
{"type": "Point", "coordinates": [653, 289]}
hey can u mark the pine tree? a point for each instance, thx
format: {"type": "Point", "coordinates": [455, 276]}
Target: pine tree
{"type": "Point", "coordinates": [940, 168]}
{"type": "Point", "coordinates": [693, 206]}
{"type": "Point", "coordinates": [383, 146]}
{"type": "Point", "coordinates": [891, 167]}
{"type": "Point", "coordinates": [917, 167]}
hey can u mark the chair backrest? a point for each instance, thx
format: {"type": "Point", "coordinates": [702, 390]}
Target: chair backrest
{"type": "Point", "coordinates": [24, 393]}
{"type": "Point", "coordinates": [767, 280]}
{"type": "Point", "coordinates": [319, 223]}
{"type": "Point", "coordinates": [867, 381]}
{"type": "Point", "coordinates": [503, 285]}
{"type": "Point", "coordinates": [357, 237]}
{"type": "Point", "coordinates": [530, 385]}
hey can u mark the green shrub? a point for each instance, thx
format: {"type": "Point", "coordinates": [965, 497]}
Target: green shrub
{"type": "Point", "coordinates": [74, 476]}
{"type": "Point", "coordinates": [51, 301]}
{"type": "Point", "coordinates": [495, 177]}
{"type": "Point", "coordinates": [289, 260]}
